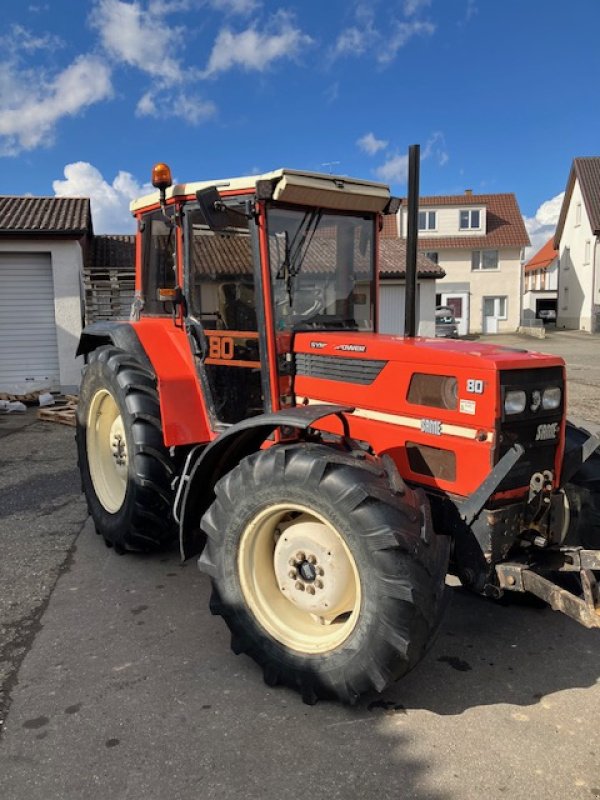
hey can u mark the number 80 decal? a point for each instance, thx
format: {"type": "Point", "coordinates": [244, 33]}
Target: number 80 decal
{"type": "Point", "coordinates": [474, 386]}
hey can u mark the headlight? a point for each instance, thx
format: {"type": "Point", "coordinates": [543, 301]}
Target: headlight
{"type": "Point", "coordinates": [515, 402]}
{"type": "Point", "coordinates": [551, 398]}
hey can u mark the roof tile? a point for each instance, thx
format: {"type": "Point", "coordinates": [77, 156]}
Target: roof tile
{"type": "Point", "coordinates": [505, 226]}
{"type": "Point", "coordinates": [45, 215]}
{"type": "Point", "coordinates": [543, 258]}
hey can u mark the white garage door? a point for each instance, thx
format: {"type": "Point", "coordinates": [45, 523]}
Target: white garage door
{"type": "Point", "coordinates": [391, 308]}
{"type": "Point", "coordinates": [28, 346]}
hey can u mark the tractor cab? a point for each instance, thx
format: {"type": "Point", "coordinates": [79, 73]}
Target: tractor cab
{"type": "Point", "coordinates": [243, 265]}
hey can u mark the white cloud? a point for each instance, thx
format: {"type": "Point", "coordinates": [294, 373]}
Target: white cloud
{"type": "Point", "coordinates": [110, 201]}
{"type": "Point", "coordinates": [435, 147]}
{"type": "Point", "coordinates": [19, 40]}
{"type": "Point", "coordinates": [394, 170]}
{"type": "Point", "coordinates": [357, 39]}
{"type": "Point", "coordinates": [471, 10]}
{"type": "Point", "coordinates": [542, 225]}
{"type": "Point", "coordinates": [235, 6]}
{"type": "Point", "coordinates": [401, 34]}
{"type": "Point", "coordinates": [370, 144]}
{"type": "Point", "coordinates": [32, 104]}
{"type": "Point", "coordinates": [139, 38]}
{"type": "Point", "coordinates": [256, 50]}
{"type": "Point", "coordinates": [382, 39]}
{"type": "Point", "coordinates": [164, 105]}
{"type": "Point", "coordinates": [412, 7]}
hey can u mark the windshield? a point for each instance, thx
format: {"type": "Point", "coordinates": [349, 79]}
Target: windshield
{"type": "Point", "coordinates": [322, 269]}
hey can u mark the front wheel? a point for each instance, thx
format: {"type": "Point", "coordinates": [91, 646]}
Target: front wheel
{"type": "Point", "coordinates": [126, 470]}
{"type": "Point", "coordinates": [583, 495]}
{"type": "Point", "coordinates": [331, 583]}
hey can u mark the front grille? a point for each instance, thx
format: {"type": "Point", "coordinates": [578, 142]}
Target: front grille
{"type": "Point", "coordinates": [335, 368]}
{"type": "Point", "coordinates": [523, 428]}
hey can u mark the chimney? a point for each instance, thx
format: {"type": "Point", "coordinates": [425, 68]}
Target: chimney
{"type": "Point", "coordinates": [468, 191]}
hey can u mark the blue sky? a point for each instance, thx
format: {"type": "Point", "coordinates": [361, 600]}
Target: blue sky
{"type": "Point", "coordinates": [501, 94]}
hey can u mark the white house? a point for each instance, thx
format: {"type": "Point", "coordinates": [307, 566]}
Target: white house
{"type": "Point", "coordinates": [540, 283]}
{"type": "Point", "coordinates": [478, 240]}
{"type": "Point", "coordinates": [42, 244]}
{"type": "Point", "coordinates": [576, 240]}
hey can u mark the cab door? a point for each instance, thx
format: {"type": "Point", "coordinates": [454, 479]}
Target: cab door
{"type": "Point", "coordinates": [224, 312]}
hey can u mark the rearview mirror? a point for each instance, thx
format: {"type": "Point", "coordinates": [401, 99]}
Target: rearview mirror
{"type": "Point", "coordinates": [213, 209]}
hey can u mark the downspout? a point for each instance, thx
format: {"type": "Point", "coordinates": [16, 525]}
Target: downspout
{"type": "Point", "coordinates": [593, 303]}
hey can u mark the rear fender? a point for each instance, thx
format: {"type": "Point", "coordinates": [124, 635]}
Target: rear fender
{"type": "Point", "coordinates": [196, 490]}
{"type": "Point", "coordinates": [164, 350]}
{"type": "Point", "coordinates": [121, 334]}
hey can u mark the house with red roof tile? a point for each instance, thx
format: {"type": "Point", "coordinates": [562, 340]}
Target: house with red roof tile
{"type": "Point", "coordinates": [478, 240]}
{"type": "Point", "coordinates": [577, 240]}
{"type": "Point", "coordinates": [540, 284]}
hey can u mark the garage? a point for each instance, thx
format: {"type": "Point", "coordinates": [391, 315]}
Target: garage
{"type": "Point", "coordinates": [28, 343]}
{"type": "Point", "coordinates": [392, 274]}
{"type": "Point", "coordinates": [42, 245]}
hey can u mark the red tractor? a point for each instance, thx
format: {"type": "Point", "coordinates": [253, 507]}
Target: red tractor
{"type": "Point", "coordinates": [328, 476]}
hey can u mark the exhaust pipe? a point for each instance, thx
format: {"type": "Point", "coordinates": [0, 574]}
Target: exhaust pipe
{"type": "Point", "coordinates": [410, 292]}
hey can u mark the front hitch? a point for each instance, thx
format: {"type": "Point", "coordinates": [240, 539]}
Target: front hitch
{"type": "Point", "coordinates": [515, 577]}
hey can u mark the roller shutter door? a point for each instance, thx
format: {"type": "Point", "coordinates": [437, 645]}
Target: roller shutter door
{"type": "Point", "coordinates": [28, 344]}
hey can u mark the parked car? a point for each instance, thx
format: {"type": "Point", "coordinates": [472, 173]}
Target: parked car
{"type": "Point", "coordinates": [547, 314]}
{"type": "Point", "coordinates": [445, 323]}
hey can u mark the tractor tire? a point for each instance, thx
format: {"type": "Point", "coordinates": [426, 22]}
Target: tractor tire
{"type": "Point", "coordinates": [126, 470]}
{"type": "Point", "coordinates": [330, 582]}
{"type": "Point", "coordinates": [583, 494]}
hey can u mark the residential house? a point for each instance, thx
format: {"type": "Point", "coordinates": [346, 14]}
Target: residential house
{"type": "Point", "coordinates": [43, 241]}
{"type": "Point", "coordinates": [478, 240]}
{"type": "Point", "coordinates": [576, 240]}
{"type": "Point", "coordinates": [540, 284]}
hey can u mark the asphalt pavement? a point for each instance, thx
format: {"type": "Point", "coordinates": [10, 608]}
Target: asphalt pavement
{"type": "Point", "coordinates": [118, 683]}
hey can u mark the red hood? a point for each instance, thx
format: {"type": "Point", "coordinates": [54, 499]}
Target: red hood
{"type": "Point", "coordinates": [384, 347]}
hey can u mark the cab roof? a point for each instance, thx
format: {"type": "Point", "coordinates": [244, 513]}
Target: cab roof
{"type": "Point", "coordinates": [337, 192]}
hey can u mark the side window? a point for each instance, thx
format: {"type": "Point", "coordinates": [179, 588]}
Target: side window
{"type": "Point", "coordinates": [159, 261]}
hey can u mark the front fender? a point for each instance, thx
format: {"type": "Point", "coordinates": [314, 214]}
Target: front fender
{"type": "Point", "coordinates": [223, 454]}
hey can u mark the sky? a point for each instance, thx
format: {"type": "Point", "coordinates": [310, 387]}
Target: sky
{"type": "Point", "coordinates": [500, 94]}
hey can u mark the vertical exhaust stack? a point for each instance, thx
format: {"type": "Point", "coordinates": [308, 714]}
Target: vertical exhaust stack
{"type": "Point", "coordinates": [410, 307]}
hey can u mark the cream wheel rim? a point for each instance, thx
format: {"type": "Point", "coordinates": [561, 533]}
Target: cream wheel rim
{"type": "Point", "coordinates": [299, 578]}
{"type": "Point", "coordinates": [107, 451]}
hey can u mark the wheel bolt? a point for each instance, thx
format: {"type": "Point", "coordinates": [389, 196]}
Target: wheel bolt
{"type": "Point", "coordinates": [319, 584]}
{"type": "Point", "coordinates": [310, 589]}
{"type": "Point", "coordinates": [312, 559]}
{"type": "Point", "coordinates": [300, 556]}
{"type": "Point", "coordinates": [320, 571]}
{"type": "Point", "coordinates": [299, 586]}
{"type": "Point", "coordinates": [293, 574]}
{"type": "Point", "coordinates": [292, 562]}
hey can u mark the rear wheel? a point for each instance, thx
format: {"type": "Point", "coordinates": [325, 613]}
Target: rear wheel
{"type": "Point", "coordinates": [126, 470]}
{"type": "Point", "coordinates": [331, 583]}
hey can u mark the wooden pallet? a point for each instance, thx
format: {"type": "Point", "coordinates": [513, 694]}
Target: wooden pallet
{"type": "Point", "coordinates": [30, 397]}
{"type": "Point", "coordinates": [64, 415]}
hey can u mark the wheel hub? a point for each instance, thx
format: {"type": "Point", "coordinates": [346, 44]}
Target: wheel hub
{"type": "Point", "coordinates": [107, 450]}
{"type": "Point", "coordinates": [312, 569]}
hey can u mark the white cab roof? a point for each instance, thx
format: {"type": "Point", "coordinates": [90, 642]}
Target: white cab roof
{"type": "Point", "coordinates": [292, 186]}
